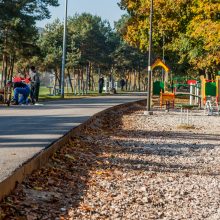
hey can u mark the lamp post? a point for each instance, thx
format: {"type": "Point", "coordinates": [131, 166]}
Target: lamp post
{"type": "Point", "coordinates": [64, 50]}
{"type": "Point", "coordinates": [149, 62]}
{"type": "Point", "coordinates": [163, 57]}
{"type": "Point", "coordinates": [163, 48]}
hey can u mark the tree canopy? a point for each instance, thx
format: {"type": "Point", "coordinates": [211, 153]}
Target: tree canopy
{"type": "Point", "coordinates": [18, 32]}
{"type": "Point", "coordinates": [191, 29]}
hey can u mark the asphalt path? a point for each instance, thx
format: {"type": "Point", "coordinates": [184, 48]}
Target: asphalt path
{"type": "Point", "coordinates": [26, 130]}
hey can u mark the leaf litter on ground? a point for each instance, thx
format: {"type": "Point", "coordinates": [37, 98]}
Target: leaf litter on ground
{"type": "Point", "coordinates": [132, 166]}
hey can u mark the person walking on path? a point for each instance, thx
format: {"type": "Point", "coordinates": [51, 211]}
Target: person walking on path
{"type": "Point", "coordinates": [122, 84]}
{"type": "Point", "coordinates": [35, 84]}
{"type": "Point", "coordinates": [101, 84]}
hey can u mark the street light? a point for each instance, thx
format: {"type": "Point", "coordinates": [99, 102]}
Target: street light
{"type": "Point", "coordinates": [163, 56]}
{"type": "Point", "coordinates": [149, 62]}
{"type": "Point", "coordinates": [64, 50]}
{"type": "Point", "coordinates": [163, 48]}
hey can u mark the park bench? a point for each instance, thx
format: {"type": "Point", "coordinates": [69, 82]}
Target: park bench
{"type": "Point", "coordinates": [53, 90]}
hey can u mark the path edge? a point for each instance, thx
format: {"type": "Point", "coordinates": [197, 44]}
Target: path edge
{"type": "Point", "coordinates": [42, 157]}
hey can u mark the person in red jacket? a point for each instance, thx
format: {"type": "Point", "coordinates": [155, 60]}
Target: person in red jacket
{"type": "Point", "coordinates": [21, 91]}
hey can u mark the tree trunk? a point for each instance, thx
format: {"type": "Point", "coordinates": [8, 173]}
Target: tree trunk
{"type": "Point", "coordinates": [87, 78]}
{"type": "Point", "coordinates": [55, 82]}
{"type": "Point", "coordinates": [5, 58]}
{"type": "Point", "coordinates": [135, 81]}
{"type": "Point", "coordinates": [70, 82]}
{"type": "Point", "coordinates": [78, 81]}
{"type": "Point", "coordinates": [11, 68]}
{"type": "Point", "coordinates": [93, 84]}
{"type": "Point", "coordinates": [82, 81]}
{"type": "Point", "coordinates": [139, 78]}
{"type": "Point", "coordinates": [5, 70]}
{"type": "Point", "coordinates": [75, 81]}
{"type": "Point", "coordinates": [129, 82]}
{"type": "Point", "coordinates": [126, 81]}
{"type": "Point", "coordinates": [59, 79]}
{"type": "Point", "coordinates": [92, 79]}
{"type": "Point", "coordinates": [89, 75]}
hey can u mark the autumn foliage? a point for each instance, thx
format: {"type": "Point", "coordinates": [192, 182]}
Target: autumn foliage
{"type": "Point", "coordinates": [191, 29]}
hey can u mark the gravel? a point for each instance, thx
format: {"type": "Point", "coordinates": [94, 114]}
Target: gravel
{"type": "Point", "coordinates": [140, 167]}
{"type": "Point", "coordinates": [157, 168]}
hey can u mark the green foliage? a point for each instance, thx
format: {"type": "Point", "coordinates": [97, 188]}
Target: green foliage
{"type": "Point", "coordinates": [50, 43]}
{"type": "Point", "coordinates": [88, 37]}
{"type": "Point", "coordinates": [18, 32]}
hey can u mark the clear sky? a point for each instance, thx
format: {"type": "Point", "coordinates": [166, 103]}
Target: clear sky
{"type": "Point", "coordinates": [106, 9]}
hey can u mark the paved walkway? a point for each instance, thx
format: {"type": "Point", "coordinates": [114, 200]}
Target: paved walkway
{"type": "Point", "coordinates": [25, 130]}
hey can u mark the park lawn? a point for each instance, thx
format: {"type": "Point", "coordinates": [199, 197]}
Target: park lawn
{"type": "Point", "coordinates": [45, 95]}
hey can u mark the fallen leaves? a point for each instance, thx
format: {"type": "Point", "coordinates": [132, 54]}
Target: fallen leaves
{"type": "Point", "coordinates": [131, 167]}
{"type": "Point", "coordinates": [86, 208]}
{"type": "Point", "coordinates": [70, 157]}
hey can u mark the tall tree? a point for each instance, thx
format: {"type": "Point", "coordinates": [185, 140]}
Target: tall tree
{"type": "Point", "coordinates": [17, 28]}
{"type": "Point", "coordinates": [50, 43]}
{"type": "Point", "coordinates": [191, 29]}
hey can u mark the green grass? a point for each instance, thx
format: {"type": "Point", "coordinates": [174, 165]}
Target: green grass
{"type": "Point", "coordinates": [45, 95]}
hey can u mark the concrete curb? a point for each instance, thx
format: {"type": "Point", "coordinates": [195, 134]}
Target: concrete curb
{"type": "Point", "coordinates": [41, 158]}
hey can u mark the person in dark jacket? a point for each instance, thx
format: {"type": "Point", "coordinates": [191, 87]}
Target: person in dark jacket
{"type": "Point", "coordinates": [101, 84]}
{"type": "Point", "coordinates": [122, 84]}
{"type": "Point", "coordinates": [35, 84]}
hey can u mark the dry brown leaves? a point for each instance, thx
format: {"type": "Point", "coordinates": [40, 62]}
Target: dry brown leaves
{"type": "Point", "coordinates": [51, 191]}
{"type": "Point", "coordinates": [124, 166]}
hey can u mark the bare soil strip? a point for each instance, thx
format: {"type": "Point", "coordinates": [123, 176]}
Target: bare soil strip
{"type": "Point", "coordinates": [126, 165]}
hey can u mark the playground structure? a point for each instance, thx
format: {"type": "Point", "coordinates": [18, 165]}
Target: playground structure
{"type": "Point", "coordinates": [210, 93]}
{"type": "Point", "coordinates": [158, 86]}
{"type": "Point", "coordinates": [192, 89]}
{"type": "Point", "coordinates": [201, 93]}
{"type": "Point", "coordinates": [210, 88]}
{"type": "Point", "coordinates": [168, 98]}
